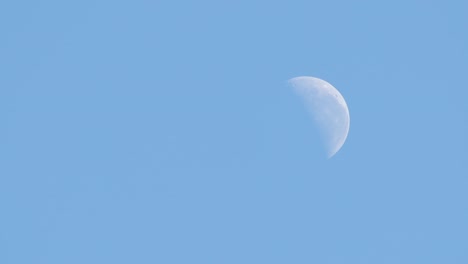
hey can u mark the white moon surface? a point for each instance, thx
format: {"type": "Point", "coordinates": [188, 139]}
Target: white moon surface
{"type": "Point", "coordinates": [328, 108]}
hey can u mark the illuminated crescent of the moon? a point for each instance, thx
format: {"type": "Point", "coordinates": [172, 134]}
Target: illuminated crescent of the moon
{"type": "Point", "coordinates": [328, 108]}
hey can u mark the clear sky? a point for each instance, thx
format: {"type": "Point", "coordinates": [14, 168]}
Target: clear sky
{"type": "Point", "coordinates": [163, 132]}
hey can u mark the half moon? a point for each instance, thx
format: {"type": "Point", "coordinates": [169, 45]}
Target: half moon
{"type": "Point", "coordinates": [328, 108]}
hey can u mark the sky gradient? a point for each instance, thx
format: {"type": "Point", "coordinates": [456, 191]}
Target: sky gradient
{"type": "Point", "coordinates": [165, 132]}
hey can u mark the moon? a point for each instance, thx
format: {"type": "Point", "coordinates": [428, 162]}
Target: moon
{"type": "Point", "coordinates": [328, 109]}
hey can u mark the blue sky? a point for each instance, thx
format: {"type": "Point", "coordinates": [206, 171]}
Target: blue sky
{"type": "Point", "coordinates": [164, 132]}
